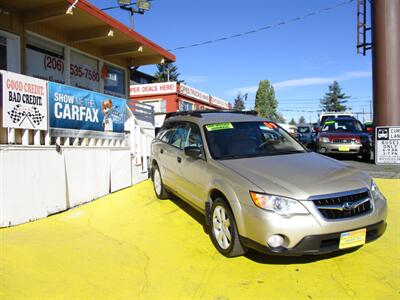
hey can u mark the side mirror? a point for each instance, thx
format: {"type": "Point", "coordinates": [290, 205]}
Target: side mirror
{"type": "Point", "coordinates": [193, 151]}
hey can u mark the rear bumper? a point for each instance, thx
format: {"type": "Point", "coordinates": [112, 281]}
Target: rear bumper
{"type": "Point", "coordinates": [317, 244]}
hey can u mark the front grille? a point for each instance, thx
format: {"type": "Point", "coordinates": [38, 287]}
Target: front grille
{"type": "Point", "coordinates": [342, 141]}
{"type": "Point", "coordinates": [344, 206]}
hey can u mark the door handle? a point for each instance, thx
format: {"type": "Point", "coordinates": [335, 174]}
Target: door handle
{"type": "Point", "coordinates": [161, 151]}
{"type": "Point", "coordinates": [179, 159]}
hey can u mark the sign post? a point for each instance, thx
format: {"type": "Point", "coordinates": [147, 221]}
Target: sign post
{"type": "Point", "coordinates": [387, 145]}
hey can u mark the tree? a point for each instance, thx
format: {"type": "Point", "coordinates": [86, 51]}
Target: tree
{"type": "Point", "coordinates": [266, 103]}
{"type": "Point", "coordinates": [292, 122]}
{"type": "Point", "coordinates": [239, 101]}
{"type": "Point", "coordinates": [334, 99]}
{"type": "Point", "coordinates": [167, 72]}
{"type": "Point", "coordinates": [302, 120]}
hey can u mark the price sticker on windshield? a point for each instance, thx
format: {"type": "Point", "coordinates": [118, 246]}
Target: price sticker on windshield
{"type": "Point", "coordinates": [219, 126]}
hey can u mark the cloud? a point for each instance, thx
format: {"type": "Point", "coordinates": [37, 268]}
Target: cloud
{"type": "Point", "coordinates": [195, 78]}
{"type": "Point", "coordinates": [308, 81]}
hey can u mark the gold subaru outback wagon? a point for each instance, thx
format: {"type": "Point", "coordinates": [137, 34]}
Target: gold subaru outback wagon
{"type": "Point", "coordinates": [259, 188]}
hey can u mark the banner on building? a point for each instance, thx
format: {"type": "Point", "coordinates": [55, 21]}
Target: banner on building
{"type": "Point", "coordinates": [82, 113]}
{"type": "Point", "coordinates": [153, 89]}
{"type": "Point", "coordinates": [24, 101]}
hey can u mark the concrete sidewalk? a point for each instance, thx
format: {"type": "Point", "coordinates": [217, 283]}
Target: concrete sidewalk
{"type": "Point", "coordinates": [129, 245]}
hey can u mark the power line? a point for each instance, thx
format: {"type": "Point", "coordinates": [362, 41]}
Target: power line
{"type": "Point", "coordinates": [314, 13]}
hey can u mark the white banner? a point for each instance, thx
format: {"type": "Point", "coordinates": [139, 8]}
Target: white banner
{"type": "Point", "coordinates": [219, 102]}
{"type": "Point", "coordinates": [387, 145]}
{"type": "Point", "coordinates": [153, 89]}
{"type": "Point", "coordinates": [24, 101]}
{"type": "Point", "coordinates": [192, 92]}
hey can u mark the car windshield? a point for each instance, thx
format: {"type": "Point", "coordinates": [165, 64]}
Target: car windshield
{"type": "Point", "coordinates": [303, 129]}
{"type": "Point", "coordinates": [249, 139]}
{"type": "Point", "coordinates": [342, 125]}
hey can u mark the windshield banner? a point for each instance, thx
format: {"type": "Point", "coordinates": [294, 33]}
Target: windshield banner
{"type": "Point", "coordinates": [82, 110]}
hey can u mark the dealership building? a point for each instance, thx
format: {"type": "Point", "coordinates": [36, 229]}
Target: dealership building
{"type": "Point", "coordinates": [168, 97]}
{"type": "Point", "coordinates": [67, 133]}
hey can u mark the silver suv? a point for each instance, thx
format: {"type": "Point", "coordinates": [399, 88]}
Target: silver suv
{"type": "Point", "coordinates": [259, 188]}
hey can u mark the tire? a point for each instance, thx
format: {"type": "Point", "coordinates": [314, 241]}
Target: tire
{"type": "Point", "coordinates": [158, 185]}
{"type": "Point", "coordinates": [223, 231]}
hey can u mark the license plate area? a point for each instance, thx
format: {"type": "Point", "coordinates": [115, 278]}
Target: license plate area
{"type": "Point", "coordinates": [344, 148]}
{"type": "Point", "coordinates": [352, 238]}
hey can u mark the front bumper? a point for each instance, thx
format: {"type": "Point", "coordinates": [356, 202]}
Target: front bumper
{"type": "Point", "coordinates": [337, 148]}
{"type": "Point", "coordinates": [317, 244]}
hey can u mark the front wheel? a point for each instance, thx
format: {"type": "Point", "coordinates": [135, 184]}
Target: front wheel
{"type": "Point", "coordinates": [223, 231]}
{"type": "Point", "coordinates": [158, 185]}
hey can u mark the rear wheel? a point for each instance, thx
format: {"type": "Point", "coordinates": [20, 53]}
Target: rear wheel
{"type": "Point", "coordinates": [223, 230]}
{"type": "Point", "coordinates": [158, 185]}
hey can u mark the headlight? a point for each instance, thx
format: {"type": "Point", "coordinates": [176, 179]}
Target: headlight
{"type": "Point", "coordinates": [280, 205]}
{"type": "Point", "coordinates": [376, 193]}
{"type": "Point", "coordinates": [324, 140]}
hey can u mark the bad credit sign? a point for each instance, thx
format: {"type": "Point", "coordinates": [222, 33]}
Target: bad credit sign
{"type": "Point", "coordinates": [153, 89]}
{"type": "Point", "coordinates": [24, 101]}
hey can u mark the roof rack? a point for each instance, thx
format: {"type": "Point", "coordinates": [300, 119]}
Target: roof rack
{"type": "Point", "coordinates": [198, 113]}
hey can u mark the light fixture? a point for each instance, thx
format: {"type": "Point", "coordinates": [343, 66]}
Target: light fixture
{"type": "Point", "coordinates": [70, 10]}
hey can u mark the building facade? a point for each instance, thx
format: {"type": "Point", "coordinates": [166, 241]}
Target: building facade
{"type": "Point", "coordinates": [168, 97]}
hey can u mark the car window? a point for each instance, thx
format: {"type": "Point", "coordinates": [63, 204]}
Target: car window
{"type": "Point", "coordinates": [194, 137]}
{"type": "Point", "coordinates": [303, 129]}
{"type": "Point", "coordinates": [249, 139]}
{"type": "Point", "coordinates": [166, 132]}
{"type": "Point", "coordinates": [179, 135]}
{"type": "Point", "coordinates": [345, 125]}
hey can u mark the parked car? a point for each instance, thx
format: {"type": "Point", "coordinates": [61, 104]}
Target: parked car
{"type": "Point", "coordinates": [344, 136]}
{"type": "Point", "coordinates": [259, 188]}
{"type": "Point", "coordinates": [305, 134]}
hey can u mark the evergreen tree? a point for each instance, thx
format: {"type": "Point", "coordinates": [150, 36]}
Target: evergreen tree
{"type": "Point", "coordinates": [167, 72]}
{"type": "Point", "coordinates": [334, 99]}
{"type": "Point", "coordinates": [239, 101]}
{"type": "Point", "coordinates": [292, 122]}
{"type": "Point", "coordinates": [302, 120]}
{"type": "Point", "coordinates": [266, 103]}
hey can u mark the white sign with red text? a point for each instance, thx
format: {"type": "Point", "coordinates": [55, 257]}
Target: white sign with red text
{"type": "Point", "coordinates": [153, 89]}
{"type": "Point", "coordinates": [24, 101]}
{"type": "Point", "coordinates": [219, 102]}
{"type": "Point", "coordinates": [194, 93]}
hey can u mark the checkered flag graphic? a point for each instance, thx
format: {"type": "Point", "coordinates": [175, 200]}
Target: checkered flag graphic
{"type": "Point", "coordinates": [36, 116]}
{"type": "Point", "coordinates": [17, 113]}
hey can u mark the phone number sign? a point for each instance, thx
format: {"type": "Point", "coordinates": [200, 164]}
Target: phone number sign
{"type": "Point", "coordinates": [387, 145]}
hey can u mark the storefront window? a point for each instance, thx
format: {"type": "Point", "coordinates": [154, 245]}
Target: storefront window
{"type": "Point", "coordinates": [3, 53]}
{"type": "Point", "coordinates": [185, 106]}
{"type": "Point", "coordinates": [44, 59]}
{"type": "Point", "coordinates": [114, 82]}
{"type": "Point", "coordinates": [84, 72]}
{"type": "Point", "coordinates": [158, 105]}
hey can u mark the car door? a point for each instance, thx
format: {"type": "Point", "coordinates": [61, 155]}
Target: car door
{"type": "Point", "coordinates": [193, 178]}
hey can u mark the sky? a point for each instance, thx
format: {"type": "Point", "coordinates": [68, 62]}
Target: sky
{"type": "Point", "coordinates": [301, 59]}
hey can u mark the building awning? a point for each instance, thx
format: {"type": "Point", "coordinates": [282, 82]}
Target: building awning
{"type": "Point", "coordinates": [86, 26]}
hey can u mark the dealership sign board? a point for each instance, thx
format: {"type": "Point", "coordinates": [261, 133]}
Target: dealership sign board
{"type": "Point", "coordinates": [153, 89]}
{"type": "Point", "coordinates": [24, 101]}
{"type": "Point", "coordinates": [81, 113]}
{"type": "Point", "coordinates": [192, 92]}
{"type": "Point", "coordinates": [387, 145]}
{"type": "Point", "coordinates": [219, 102]}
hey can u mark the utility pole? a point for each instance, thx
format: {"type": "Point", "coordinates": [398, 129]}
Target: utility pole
{"type": "Point", "coordinates": [386, 62]}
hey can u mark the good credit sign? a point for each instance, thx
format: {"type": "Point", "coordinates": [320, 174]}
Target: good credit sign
{"type": "Point", "coordinates": [24, 101]}
{"type": "Point", "coordinates": [387, 145]}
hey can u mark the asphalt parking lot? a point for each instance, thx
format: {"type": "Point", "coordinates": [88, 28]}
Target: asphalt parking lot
{"type": "Point", "coordinates": [129, 245]}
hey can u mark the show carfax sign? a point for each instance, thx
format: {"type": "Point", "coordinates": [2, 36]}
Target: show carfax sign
{"type": "Point", "coordinates": [24, 101]}
{"type": "Point", "coordinates": [387, 145]}
{"type": "Point", "coordinates": [76, 112]}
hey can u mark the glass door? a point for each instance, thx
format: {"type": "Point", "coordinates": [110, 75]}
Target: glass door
{"type": "Point", "coordinates": [9, 52]}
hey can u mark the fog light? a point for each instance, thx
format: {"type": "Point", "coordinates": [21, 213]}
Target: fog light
{"type": "Point", "coordinates": [275, 241]}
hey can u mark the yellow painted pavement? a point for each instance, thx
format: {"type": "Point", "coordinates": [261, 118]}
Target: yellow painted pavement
{"type": "Point", "coordinates": [129, 245]}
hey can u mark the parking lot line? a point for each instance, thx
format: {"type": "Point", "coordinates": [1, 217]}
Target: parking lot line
{"type": "Point", "coordinates": [128, 245]}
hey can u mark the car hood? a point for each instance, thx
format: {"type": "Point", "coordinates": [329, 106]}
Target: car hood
{"type": "Point", "coordinates": [299, 176]}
